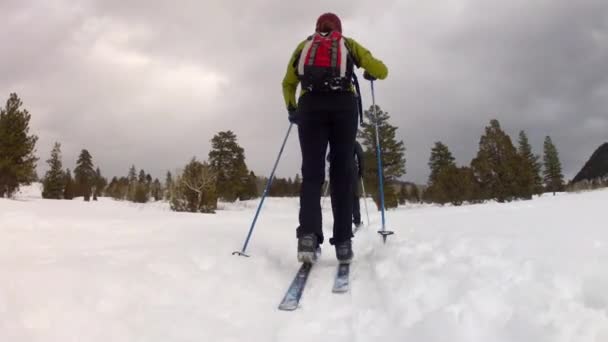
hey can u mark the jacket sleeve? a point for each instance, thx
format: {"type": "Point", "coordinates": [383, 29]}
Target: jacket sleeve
{"type": "Point", "coordinates": [364, 58]}
{"type": "Point", "coordinates": [291, 81]}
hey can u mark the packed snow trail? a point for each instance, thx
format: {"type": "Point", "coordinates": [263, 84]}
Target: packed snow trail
{"type": "Point", "coordinates": [116, 271]}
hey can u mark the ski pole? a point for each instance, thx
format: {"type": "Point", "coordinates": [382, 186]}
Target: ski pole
{"type": "Point", "coordinates": [365, 200]}
{"type": "Point", "coordinates": [385, 233]}
{"type": "Point", "coordinates": [257, 213]}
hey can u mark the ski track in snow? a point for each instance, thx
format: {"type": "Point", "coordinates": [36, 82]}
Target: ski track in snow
{"type": "Point", "coordinates": [116, 271]}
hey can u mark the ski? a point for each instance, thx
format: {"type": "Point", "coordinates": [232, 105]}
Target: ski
{"type": "Point", "coordinates": [341, 282]}
{"type": "Point", "coordinates": [292, 297]}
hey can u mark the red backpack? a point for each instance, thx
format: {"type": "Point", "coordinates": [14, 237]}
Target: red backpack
{"type": "Point", "coordinates": [325, 63]}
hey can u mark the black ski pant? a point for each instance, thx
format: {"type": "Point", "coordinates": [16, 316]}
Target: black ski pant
{"type": "Point", "coordinates": [327, 119]}
{"type": "Point", "coordinates": [356, 205]}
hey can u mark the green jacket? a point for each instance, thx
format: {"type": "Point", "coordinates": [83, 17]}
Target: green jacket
{"type": "Point", "coordinates": [361, 55]}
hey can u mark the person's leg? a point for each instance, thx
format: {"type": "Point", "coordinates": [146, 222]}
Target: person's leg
{"type": "Point", "coordinates": [342, 136]}
{"type": "Point", "coordinates": [313, 132]}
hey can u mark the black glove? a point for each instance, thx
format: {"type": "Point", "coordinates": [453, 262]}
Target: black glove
{"type": "Point", "coordinates": [368, 77]}
{"type": "Point", "coordinates": [292, 115]}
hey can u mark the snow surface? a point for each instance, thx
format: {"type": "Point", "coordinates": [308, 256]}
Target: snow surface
{"type": "Point", "coordinates": [116, 271]}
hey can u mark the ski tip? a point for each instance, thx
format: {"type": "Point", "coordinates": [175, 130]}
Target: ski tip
{"type": "Point", "coordinates": [237, 253]}
{"type": "Point", "coordinates": [287, 307]}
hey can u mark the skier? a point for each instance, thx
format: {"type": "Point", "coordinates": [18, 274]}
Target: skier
{"type": "Point", "coordinates": [326, 113]}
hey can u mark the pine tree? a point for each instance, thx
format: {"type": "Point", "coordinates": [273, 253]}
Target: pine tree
{"type": "Point", "coordinates": [458, 185]}
{"type": "Point", "coordinates": [53, 184]}
{"type": "Point", "coordinates": [194, 189]}
{"type": "Point", "coordinates": [69, 188]}
{"type": "Point", "coordinates": [530, 181]}
{"type": "Point", "coordinates": [168, 185]}
{"type": "Point", "coordinates": [250, 190]}
{"type": "Point", "coordinates": [132, 187]}
{"type": "Point", "coordinates": [415, 196]}
{"type": "Point", "coordinates": [496, 166]}
{"type": "Point", "coordinates": [120, 189]}
{"type": "Point", "coordinates": [84, 175]}
{"type": "Point", "coordinates": [441, 164]}
{"type": "Point", "coordinates": [297, 184]}
{"type": "Point", "coordinates": [17, 147]}
{"type": "Point", "coordinates": [227, 160]}
{"type": "Point", "coordinates": [112, 189]}
{"type": "Point", "coordinates": [441, 158]}
{"type": "Point", "coordinates": [403, 194]}
{"type": "Point", "coordinates": [392, 156]}
{"type": "Point", "coordinates": [157, 191]}
{"type": "Point", "coordinates": [100, 184]}
{"type": "Point", "coordinates": [141, 189]}
{"type": "Point", "coordinates": [552, 174]}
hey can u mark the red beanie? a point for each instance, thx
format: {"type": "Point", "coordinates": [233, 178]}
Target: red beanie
{"type": "Point", "coordinates": [328, 22]}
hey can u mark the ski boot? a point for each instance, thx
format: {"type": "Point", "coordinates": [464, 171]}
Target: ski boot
{"type": "Point", "coordinates": [308, 248]}
{"type": "Point", "coordinates": [344, 251]}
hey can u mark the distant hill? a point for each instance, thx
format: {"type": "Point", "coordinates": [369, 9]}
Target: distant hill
{"type": "Point", "coordinates": [596, 167]}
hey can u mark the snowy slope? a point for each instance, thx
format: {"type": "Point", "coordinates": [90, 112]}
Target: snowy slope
{"type": "Point", "coordinates": [116, 271]}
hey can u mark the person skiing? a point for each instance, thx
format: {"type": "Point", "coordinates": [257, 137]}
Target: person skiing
{"type": "Point", "coordinates": [326, 113]}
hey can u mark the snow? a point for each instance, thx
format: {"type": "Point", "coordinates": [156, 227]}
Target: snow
{"type": "Point", "coordinates": [116, 271]}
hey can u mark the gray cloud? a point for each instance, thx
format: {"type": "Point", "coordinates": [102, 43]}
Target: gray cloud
{"type": "Point", "coordinates": [150, 82]}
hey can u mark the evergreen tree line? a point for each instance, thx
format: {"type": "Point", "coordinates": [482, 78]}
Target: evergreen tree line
{"type": "Point", "coordinates": [500, 171]}
{"type": "Point", "coordinates": [224, 176]}
{"type": "Point", "coordinates": [593, 184]}
{"type": "Point", "coordinates": [135, 187]}
{"type": "Point", "coordinates": [282, 187]}
{"type": "Point", "coordinates": [59, 183]}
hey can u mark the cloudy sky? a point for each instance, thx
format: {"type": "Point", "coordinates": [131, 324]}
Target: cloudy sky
{"type": "Point", "coordinates": [149, 82]}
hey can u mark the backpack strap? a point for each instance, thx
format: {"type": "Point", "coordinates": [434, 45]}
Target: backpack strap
{"type": "Point", "coordinates": [358, 95]}
{"type": "Point", "coordinates": [305, 49]}
{"type": "Point", "coordinates": [313, 53]}
{"type": "Point", "coordinates": [334, 53]}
